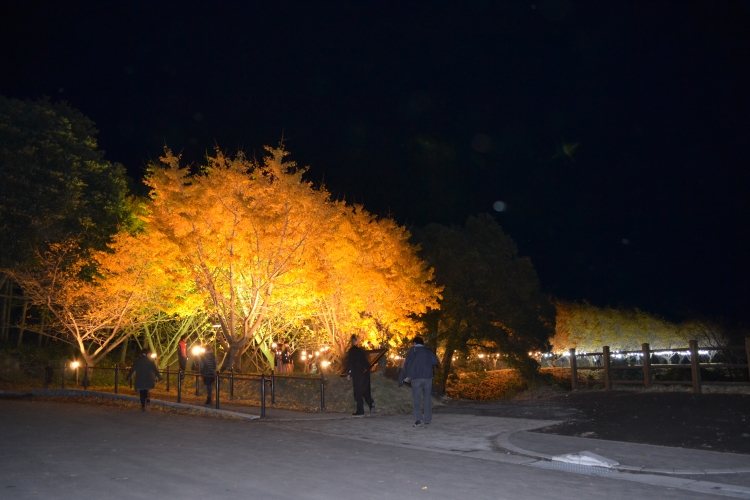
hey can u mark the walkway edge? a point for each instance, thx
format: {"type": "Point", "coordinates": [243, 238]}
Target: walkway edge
{"type": "Point", "coordinates": [123, 397]}
{"type": "Point", "coordinates": [503, 441]}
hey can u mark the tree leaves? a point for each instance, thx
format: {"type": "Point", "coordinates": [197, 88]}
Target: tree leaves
{"type": "Point", "coordinates": [56, 184]}
{"type": "Point", "coordinates": [491, 295]}
{"type": "Point", "coordinates": [247, 241]}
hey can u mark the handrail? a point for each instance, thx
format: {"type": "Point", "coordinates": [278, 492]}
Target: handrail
{"type": "Point", "coordinates": [647, 366]}
{"type": "Point", "coordinates": [180, 374]}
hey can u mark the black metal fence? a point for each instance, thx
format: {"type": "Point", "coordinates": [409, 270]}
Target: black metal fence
{"type": "Point", "coordinates": [225, 383]}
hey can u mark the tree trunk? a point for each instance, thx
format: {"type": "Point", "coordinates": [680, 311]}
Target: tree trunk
{"type": "Point", "coordinates": [445, 369]}
{"type": "Point", "coordinates": [124, 352]}
{"type": "Point", "coordinates": [22, 323]}
{"type": "Point", "coordinates": [230, 360]}
{"type": "Point", "coordinates": [42, 320]}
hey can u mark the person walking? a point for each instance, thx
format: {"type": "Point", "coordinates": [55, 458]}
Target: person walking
{"type": "Point", "coordinates": [358, 371]}
{"type": "Point", "coordinates": [418, 367]}
{"type": "Point", "coordinates": [208, 372]}
{"type": "Point", "coordinates": [146, 374]}
{"type": "Point", "coordinates": [287, 365]}
{"type": "Point", "coordinates": [182, 357]}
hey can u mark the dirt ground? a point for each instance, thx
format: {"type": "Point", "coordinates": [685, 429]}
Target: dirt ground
{"type": "Point", "coordinates": [717, 422]}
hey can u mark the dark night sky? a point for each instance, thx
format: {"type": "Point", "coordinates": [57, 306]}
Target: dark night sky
{"type": "Point", "coordinates": [432, 111]}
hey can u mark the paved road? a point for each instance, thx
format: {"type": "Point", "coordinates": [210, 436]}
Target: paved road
{"type": "Point", "coordinates": [80, 451]}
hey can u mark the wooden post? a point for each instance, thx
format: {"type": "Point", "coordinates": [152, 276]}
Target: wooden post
{"type": "Point", "coordinates": [607, 373]}
{"type": "Point", "coordinates": [573, 370]}
{"type": "Point", "coordinates": [646, 365]}
{"type": "Point", "coordinates": [747, 351]}
{"type": "Point", "coordinates": [695, 366]}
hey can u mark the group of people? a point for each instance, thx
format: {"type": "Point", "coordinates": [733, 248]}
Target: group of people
{"type": "Point", "coordinates": [284, 362]}
{"type": "Point", "coordinates": [147, 373]}
{"type": "Point", "coordinates": [418, 370]}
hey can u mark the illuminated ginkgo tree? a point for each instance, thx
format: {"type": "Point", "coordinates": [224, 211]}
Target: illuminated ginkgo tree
{"type": "Point", "coordinates": [374, 283]}
{"type": "Point", "coordinates": [95, 301]}
{"type": "Point", "coordinates": [247, 241]}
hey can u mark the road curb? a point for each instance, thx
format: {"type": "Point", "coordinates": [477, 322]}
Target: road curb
{"type": "Point", "coordinates": [503, 441]}
{"type": "Point", "coordinates": [123, 397]}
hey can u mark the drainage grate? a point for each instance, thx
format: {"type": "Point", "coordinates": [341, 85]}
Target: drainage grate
{"type": "Point", "coordinates": [578, 469]}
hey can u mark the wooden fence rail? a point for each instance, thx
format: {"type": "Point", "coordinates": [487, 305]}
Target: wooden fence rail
{"type": "Point", "coordinates": [648, 368]}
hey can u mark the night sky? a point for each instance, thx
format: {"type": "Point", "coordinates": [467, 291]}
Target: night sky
{"type": "Point", "coordinates": [434, 111]}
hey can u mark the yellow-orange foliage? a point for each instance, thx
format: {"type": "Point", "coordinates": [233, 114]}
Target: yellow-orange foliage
{"type": "Point", "coordinates": [93, 314]}
{"type": "Point", "coordinates": [588, 328]}
{"type": "Point", "coordinates": [374, 282]}
{"type": "Point", "coordinates": [247, 241]}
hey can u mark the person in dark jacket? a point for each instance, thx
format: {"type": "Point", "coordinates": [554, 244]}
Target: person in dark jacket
{"type": "Point", "coordinates": [418, 367]}
{"type": "Point", "coordinates": [208, 372]}
{"type": "Point", "coordinates": [146, 376]}
{"type": "Point", "coordinates": [358, 371]}
{"type": "Point", "coordinates": [182, 356]}
{"type": "Point", "coordinates": [287, 365]}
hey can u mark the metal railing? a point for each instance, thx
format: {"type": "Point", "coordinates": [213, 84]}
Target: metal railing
{"type": "Point", "coordinates": [266, 382]}
{"type": "Point", "coordinates": [604, 363]}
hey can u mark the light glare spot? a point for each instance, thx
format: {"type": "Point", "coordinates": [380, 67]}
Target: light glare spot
{"type": "Point", "coordinates": [499, 206]}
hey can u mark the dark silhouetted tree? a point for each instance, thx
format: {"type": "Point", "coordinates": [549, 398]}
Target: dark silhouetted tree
{"type": "Point", "coordinates": [56, 184]}
{"type": "Point", "coordinates": [491, 295]}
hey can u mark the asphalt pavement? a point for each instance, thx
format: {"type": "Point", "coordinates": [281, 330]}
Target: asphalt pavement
{"type": "Point", "coordinates": [54, 449]}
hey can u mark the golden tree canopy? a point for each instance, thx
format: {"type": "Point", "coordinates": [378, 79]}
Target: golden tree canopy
{"type": "Point", "coordinates": [244, 241]}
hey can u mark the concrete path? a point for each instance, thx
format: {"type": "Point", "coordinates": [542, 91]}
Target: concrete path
{"type": "Point", "coordinates": [459, 434]}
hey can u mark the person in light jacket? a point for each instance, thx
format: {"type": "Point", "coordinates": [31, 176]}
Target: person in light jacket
{"type": "Point", "coordinates": [146, 375]}
{"type": "Point", "coordinates": [418, 367]}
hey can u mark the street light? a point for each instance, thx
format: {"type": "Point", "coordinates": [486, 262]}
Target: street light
{"type": "Point", "coordinates": [75, 365]}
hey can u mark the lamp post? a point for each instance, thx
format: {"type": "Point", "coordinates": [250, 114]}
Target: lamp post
{"type": "Point", "coordinates": [75, 366]}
